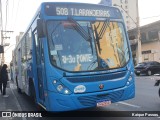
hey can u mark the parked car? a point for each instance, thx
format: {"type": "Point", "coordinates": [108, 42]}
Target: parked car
{"type": "Point", "coordinates": [148, 68]}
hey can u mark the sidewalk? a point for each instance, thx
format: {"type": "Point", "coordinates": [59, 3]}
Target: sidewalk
{"type": "Point", "coordinates": [9, 103]}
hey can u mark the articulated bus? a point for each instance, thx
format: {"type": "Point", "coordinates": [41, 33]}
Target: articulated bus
{"type": "Point", "coordinates": [74, 56]}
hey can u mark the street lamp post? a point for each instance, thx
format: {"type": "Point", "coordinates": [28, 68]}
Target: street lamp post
{"type": "Point", "coordinates": [139, 51]}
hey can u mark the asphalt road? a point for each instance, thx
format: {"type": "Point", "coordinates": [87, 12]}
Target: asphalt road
{"type": "Point", "coordinates": [146, 100]}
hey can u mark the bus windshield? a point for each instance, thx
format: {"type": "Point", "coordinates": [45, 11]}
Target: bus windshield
{"type": "Point", "coordinates": [87, 45]}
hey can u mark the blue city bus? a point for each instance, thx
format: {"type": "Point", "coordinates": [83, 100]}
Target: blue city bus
{"type": "Point", "coordinates": [75, 56]}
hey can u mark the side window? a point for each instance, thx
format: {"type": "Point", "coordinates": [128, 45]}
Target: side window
{"type": "Point", "coordinates": [29, 44]}
{"type": "Point", "coordinates": [23, 51]}
{"type": "Point", "coordinates": [37, 47]}
{"type": "Point", "coordinates": [42, 52]}
{"type": "Point", "coordinates": [156, 63]}
{"type": "Point", "coordinates": [152, 63]}
{"type": "Point", "coordinates": [16, 56]}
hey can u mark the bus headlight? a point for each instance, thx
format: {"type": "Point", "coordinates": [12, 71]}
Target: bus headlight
{"type": "Point", "coordinates": [61, 88]}
{"type": "Point", "coordinates": [66, 91]}
{"type": "Point", "coordinates": [54, 81]}
{"type": "Point", "coordinates": [130, 79]}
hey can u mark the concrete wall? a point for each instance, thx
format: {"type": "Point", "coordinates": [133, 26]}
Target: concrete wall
{"type": "Point", "coordinates": [155, 51]}
{"type": "Point", "coordinates": [150, 46]}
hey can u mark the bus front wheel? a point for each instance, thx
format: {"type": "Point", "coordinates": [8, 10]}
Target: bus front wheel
{"type": "Point", "coordinates": [32, 91]}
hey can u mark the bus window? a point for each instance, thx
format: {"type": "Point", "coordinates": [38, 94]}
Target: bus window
{"type": "Point", "coordinates": [37, 47]}
{"type": "Point", "coordinates": [29, 45]}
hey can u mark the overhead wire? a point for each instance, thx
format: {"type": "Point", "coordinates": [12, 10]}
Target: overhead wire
{"type": "Point", "coordinates": [16, 15]}
{"type": "Point", "coordinates": [3, 1]}
{"type": "Point", "coordinates": [12, 14]}
{"type": "Point", "coordinates": [151, 17]}
{"type": "Point", "coordinates": [6, 14]}
{"type": "Point", "coordinates": [1, 23]}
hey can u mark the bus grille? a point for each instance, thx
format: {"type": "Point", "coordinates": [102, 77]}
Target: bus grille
{"type": "Point", "coordinates": [95, 78]}
{"type": "Point", "coordinates": [92, 100]}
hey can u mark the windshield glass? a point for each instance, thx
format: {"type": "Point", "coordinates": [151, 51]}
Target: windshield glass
{"type": "Point", "coordinates": [86, 45]}
{"type": "Point", "coordinates": [141, 64]}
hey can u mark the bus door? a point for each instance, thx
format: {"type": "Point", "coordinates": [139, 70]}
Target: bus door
{"type": "Point", "coordinates": [40, 66]}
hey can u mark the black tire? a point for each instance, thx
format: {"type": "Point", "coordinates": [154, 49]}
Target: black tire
{"type": "Point", "coordinates": [138, 74]}
{"type": "Point", "coordinates": [149, 72]}
{"type": "Point", "coordinates": [32, 91]}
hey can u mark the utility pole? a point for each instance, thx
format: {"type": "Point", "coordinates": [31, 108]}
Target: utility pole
{"type": "Point", "coordinates": [2, 43]}
{"type": "Point", "coordinates": [139, 49]}
{"type": "Point", "coordinates": [2, 62]}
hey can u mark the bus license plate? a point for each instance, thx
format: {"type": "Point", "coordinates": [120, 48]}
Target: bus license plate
{"type": "Point", "coordinates": [103, 103]}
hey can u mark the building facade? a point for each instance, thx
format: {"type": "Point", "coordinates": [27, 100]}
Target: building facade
{"type": "Point", "coordinates": [18, 37]}
{"type": "Point", "coordinates": [150, 42]}
{"type": "Point", "coordinates": [128, 9]}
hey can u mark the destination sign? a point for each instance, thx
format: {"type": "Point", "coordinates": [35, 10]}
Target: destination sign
{"type": "Point", "coordinates": [82, 12]}
{"type": "Point", "coordinates": [79, 9]}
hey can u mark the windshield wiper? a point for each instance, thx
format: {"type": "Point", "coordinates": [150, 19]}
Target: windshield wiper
{"type": "Point", "coordinates": [90, 38]}
{"type": "Point", "coordinates": [99, 35]}
{"type": "Point", "coordinates": [97, 39]}
{"type": "Point", "coordinates": [82, 32]}
{"type": "Point", "coordinates": [103, 29]}
{"type": "Point", "coordinates": [91, 65]}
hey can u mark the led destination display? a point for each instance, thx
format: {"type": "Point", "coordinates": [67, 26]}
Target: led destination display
{"type": "Point", "coordinates": [81, 10]}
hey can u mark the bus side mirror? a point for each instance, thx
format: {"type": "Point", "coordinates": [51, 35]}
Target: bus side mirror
{"type": "Point", "coordinates": [40, 28]}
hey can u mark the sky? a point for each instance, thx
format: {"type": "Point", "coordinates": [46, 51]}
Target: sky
{"type": "Point", "coordinates": [149, 11]}
{"type": "Point", "coordinates": [20, 13]}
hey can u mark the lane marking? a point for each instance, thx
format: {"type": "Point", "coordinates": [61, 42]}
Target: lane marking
{"type": "Point", "coordinates": [131, 105]}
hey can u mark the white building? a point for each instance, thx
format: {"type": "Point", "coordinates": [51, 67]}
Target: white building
{"type": "Point", "coordinates": [128, 9]}
{"type": "Point", "coordinates": [19, 37]}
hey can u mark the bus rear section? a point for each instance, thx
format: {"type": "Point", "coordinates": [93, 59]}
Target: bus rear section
{"type": "Point", "coordinates": [88, 59]}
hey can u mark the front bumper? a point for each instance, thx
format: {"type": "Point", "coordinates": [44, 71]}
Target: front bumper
{"type": "Point", "coordinates": [61, 102]}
